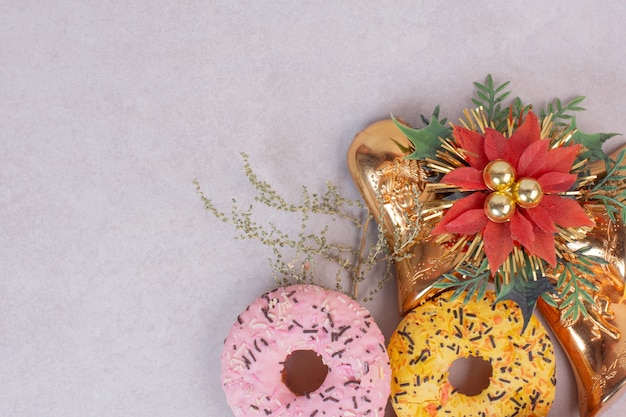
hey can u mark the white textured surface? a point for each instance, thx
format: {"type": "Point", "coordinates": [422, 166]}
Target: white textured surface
{"type": "Point", "coordinates": [116, 287]}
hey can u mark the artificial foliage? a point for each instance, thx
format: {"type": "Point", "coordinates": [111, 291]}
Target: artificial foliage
{"type": "Point", "coordinates": [425, 141]}
{"type": "Point", "coordinates": [517, 234]}
{"type": "Point", "coordinates": [526, 256]}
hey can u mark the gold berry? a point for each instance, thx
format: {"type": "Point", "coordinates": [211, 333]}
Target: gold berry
{"type": "Point", "coordinates": [499, 175]}
{"type": "Point", "coordinates": [499, 207]}
{"type": "Point", "coordinates": [527, 192]}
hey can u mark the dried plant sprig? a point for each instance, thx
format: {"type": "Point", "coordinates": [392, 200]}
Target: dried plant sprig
{"type": "Point", "coordinates": [296, 256]}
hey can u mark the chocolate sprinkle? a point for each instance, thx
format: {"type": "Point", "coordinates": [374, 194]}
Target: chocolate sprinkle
{"type": "Point", "coordinates": [338, 353]}
{"type": "Point", "coordinates": [330, 320]}
{"type": "Point", "coordinates": [496, 397]}
{"type": "Point", "coordinates": [266, 314]}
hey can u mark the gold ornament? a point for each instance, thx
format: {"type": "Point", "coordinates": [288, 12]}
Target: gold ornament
{"type": "Point", "coordinates": [499, 206]}
{"type": "Point", "coordinates": [527, 192]}
{"type": "Point", "coordinates": [394, 190]}
{"type": "Point", "coordinates": [499, 175]}
{"type": "Point", "coordinates": [596, 345]}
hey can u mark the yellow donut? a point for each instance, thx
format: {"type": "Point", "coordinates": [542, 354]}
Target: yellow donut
{"type": "Point", "coordinates": [432, 336]}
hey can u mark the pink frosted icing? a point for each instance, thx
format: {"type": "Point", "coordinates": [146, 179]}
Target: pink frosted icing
{"type": "Point", "coordinates": [306, 317]}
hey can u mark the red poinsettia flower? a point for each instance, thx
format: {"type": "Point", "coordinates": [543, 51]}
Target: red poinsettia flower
{"type": "Point", "coordinates": [533, 227]}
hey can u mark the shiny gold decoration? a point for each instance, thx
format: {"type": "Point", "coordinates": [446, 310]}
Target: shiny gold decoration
{"type": "Point", "coordinates": [499, 206]}
{"type": "Point", "coordinates": [395, 191]}
{"type": "Point", "coordinates": [527, 192]}
{"type": "Point", "coordinates": [499, 175]}
{"type": "Point", "coordinates": [596, 345]}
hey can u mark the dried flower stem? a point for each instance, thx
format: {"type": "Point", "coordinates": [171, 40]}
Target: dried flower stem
{"type": "Point", "coordinates": [357, 270]}
{"type": "Point", "coordinates": [353, 262]}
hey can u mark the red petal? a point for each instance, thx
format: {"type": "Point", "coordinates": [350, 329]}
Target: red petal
{"type": "Point", "coordinates": [556, 182]}
{"type": "Point", "coordinates": [498, 244]}
{"type": "Point", "coordinates": [466, 178]}
{"type": "Point", "coordinates": [472, 201]}
{"type": "Point", "coordinates": [468, 223]}
{"type": "Point", "coordinates": [565, 212]}
{"type": "Point", "coordinates": [541, 218]}
{"type": "Point", "coordinates": [544, 246]}
{"type": "Point", "coordinates": [473, 143]}
{"type": "Point", "coordinates": [496, 145]}
{"type": "Point", "coordinates": [526, 134]}
{"type": "Point", "coordinates": [533, 158]}
{"type": "Point", "coordinates": [522, 230]}
{"type": "Point", "coordinates": [561, 159]}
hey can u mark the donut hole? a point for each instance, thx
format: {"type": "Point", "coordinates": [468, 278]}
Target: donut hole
{"type": "Point", "coordinates": [470, 375]}
{"type": "Point", "coordinates": [304, 372]}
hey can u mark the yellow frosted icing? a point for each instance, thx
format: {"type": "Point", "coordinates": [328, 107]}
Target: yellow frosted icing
{"type": "Point", "coordinates": [435, 334]}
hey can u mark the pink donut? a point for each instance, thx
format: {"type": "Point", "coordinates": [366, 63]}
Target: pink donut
{"type": "Point", "coordinates": [305, 351]}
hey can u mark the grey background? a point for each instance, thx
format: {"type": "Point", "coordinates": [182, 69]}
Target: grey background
{"type": "Point", "coordinates": [116, 287]}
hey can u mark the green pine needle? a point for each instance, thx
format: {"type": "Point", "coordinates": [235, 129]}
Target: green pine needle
{"type": "Point", "coordinates": [491, 97]}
